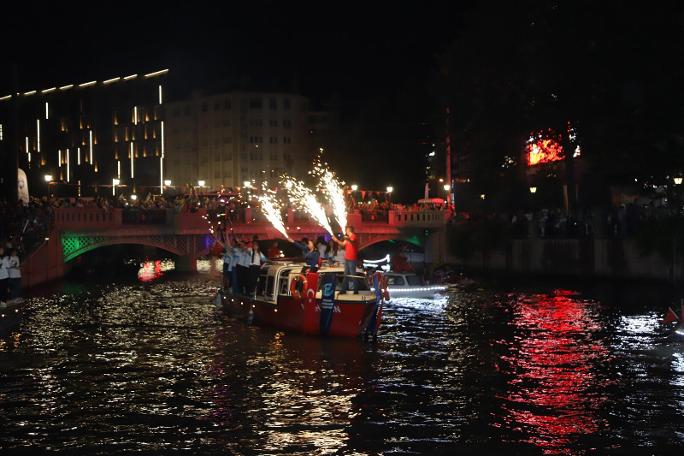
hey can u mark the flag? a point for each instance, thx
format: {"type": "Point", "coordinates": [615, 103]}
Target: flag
{"type": "Point", "coordinates": [670, 316]}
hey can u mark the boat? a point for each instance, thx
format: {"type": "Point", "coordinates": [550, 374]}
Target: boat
{"type": "Point", "coordinates": [409, 285]}
{"type": "Point", "coordinates": [10, 314]}
{"type": "Point", "coordinates": [312, 303]}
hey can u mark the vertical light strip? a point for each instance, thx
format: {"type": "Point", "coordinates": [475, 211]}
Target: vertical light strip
{"type": "Point", "coordinates": [160, 94]}
{"type": "Point", "coordinates": [68, 165]}
{"type": "Point", "coordinates": [78, 155]}
{"type": "Point", "coordinates": [38, 135]}
{"type": "Point", "coordinates": [59, 157]}
{"type": "Point", "coordinates": [132, 162]}
{"type": "Point", "coordinates": [90, 132]}
{"type": "Point", "coordinates": [118, 169]}
{"type": "Point", "coordinates": [161, 159]}
{"type": "Point", "coordinates": [135, 115]}
{"type": "Point", "coordinates": [26, 144]}
{"type": "Point", "coordinates": [46, 110]}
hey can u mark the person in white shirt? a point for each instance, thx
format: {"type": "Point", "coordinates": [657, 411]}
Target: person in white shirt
{"type": "Point", "coordinates": [242, 267]}
{"type": "Point", "coordinates": [256, 259]}
{"type": "Point", "coordinates": [4, 275]}
{"type": "Point", "coordinates": [14, 275]}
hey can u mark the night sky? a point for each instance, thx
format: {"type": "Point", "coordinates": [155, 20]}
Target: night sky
{"type": "Point", "coordinates": [376, 65]}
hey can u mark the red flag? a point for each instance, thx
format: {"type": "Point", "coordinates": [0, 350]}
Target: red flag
{"type": "Point", "coordinates": [670, 316]}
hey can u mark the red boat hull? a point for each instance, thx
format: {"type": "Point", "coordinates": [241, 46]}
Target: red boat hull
{"type": "Point", "coordinates": [350, 319]}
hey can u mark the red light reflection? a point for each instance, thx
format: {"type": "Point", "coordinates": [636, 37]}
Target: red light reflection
{"type": "Point", "coordinates": [553, 394]}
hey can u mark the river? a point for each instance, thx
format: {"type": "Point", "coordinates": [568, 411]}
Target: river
{"type": "Point", "coordinates": [150, 366]}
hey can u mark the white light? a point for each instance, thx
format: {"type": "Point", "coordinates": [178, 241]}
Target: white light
{"type": "Point", "coordinates": [88, 84]}
{"type": "Point", "coordinates": [38, 135]}
{"type": "Point", "coordinates": [59, 157]}
{"type": "Point", "coordinates": [134, 197]}
{"type": "Point", "coordinates": [116, 181]}
{"type": "Point", "coordinates": [431, 154]}
{"type": "Point", "coordinates": [6, 97]}
{"type": "Point", "coordinates": [47, 110]}
{"type": "Point", "coordinates": [90, 136]}
{"type": "Point", "coordinates": [135, 115]}
{"type": "Point", "coordinates": [132, 162]}
{"type": "Point", "coordinates": [533, 190]}
{"type": "Point", "coordinates": [132, 76]}
{"type": "Point", "coordinates": [354, 187]}
{"type": "Point", "coordinates": [51, 89]}
{"type": "Point", "coordinates": [162, 139]}
{"type": "Point", "coordinates": [447, 187]}
{"type": "Point", "coordinates": [482, 196]}
{"type": "Point", "coordinates": [48, 177]}
{"type": "Point", "coordinates": [78, 155]}
{"type": "Point", "coordinates": [247, 184]}
{"type": "Point", "coordinates": [160, 94]}
{"type": "Point", "coordinates": [390, 189]}
{"type": "Point", "coordinates": [201, 183]}
{"type": "Point", "coordinates": [26, 145]}
{"type": "Point", "coordinates": [678, 180]}
{"type": "Point", "coordinates": [66, 87]}
{"type": "Point", "coordinates": [68, 164]}
{"type": "Point", "coordinates": [118, 169]}
{"type": "Point", "coordinates": [156, 73]}
{"type": "Point", "coordinates": [167, 182]}
{"type": "Point", "coordinates": [32, 92]}
{"type": "Point", "coordinates": [109, 81]}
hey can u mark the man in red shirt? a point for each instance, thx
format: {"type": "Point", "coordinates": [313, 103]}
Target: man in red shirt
{"type": "Point", "coordinates": [351, 252]}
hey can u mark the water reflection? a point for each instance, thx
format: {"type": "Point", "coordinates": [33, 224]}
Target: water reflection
{"type": "Point", "coordinates": [553, 392]}
{"type": "Point", "coordinates": [154, 270]}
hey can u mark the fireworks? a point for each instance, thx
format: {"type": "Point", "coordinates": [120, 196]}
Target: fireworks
{"type": "Point", "coordinates": [331, 187]}
{"type": "Point", "coordinates": [304, 199]}
{"type": "Point", "coordinates": [271, 208]}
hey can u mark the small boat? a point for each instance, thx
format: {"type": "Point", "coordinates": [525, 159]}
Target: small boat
{"type": "Point", "coordinates": [409, 285]}
{"type": "Point", "coordinates": [10, 314]}
{"type": "Point", "coordinates": [310, 303]}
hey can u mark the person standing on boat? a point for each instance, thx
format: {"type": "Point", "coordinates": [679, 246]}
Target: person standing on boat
{"type": "Point", "coordinates": [14, 275]}
{"type": "Point", "coordinates": [256, 259]}
{"type": "Point", "coordinates": [242, 268]}
{"type": "Point", "coordinates": [351, 255]}
{"type": "Point", "coordinates": [4, 275]}
{"type": "Point", "coordinates": [310, 253]}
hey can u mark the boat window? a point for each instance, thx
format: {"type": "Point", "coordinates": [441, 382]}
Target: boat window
{"type": "Point", "coordinates": [414, 280]}
{"type": "Point", "coordinates": [261, 285]}
{"type": "Point", "coordinates": [284, 282]}
{"type": "Point", "coordinates": [361, 284]}
{"type": "Point", "coordinates": [395, 280]}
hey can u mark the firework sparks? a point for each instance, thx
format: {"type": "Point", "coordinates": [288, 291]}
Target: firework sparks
{"type": "Point", "coordinates": [271, 208]}
{"type": "Point", "coordinates": [304, 199]}
{"type": "Point", "coordinates": [331, 187]}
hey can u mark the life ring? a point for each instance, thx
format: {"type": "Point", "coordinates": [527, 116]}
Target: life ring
{"type": "Point", "coordinates": [298, 291]}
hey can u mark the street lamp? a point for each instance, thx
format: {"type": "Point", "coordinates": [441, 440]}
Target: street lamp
{"type": "Point", "coordinates": [678, 181]}
{"type": "Point", "coordinates": [48, 178]}
{"type": "Point", "coordinates": [390, 189]}
{"type": "Point", "coordinates": [115, 182]}
{"type": "Point", "coordinates": [447, 187]}
{"type": "Point", "coordinates": [167, 182]}
{"type": "Point", "coordinates": [134, 197]}
{"type": "Point", "coordinates": [247, 184]}
{"type": "Point", "coordinates": [354, 187]}
{"type": "Point", "coordinates": [533, 190]}
{"type": "Point", "coordinates": [201, 183]}
{"type": "Point", "coordinates": [482, 196]}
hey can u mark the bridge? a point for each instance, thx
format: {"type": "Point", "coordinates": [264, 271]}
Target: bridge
{"type": "Point", "coordinates": [186, 234]}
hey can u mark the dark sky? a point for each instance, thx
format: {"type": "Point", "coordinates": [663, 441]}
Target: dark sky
{"type": "Point", "coordinates": [346, 48]}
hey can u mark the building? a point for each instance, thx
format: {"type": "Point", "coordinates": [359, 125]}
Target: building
{"type": "Point", "coordinates": [87, 135]}
{"type": "Point", "coordinates": [229, 138]}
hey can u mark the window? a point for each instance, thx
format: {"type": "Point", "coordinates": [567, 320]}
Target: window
{"type": "Point", "coordinates": [414, 280]}
{"type": "Point", "coordinates": [273, 104]}
{"type": "Point", "coordinates": [287, 123]}
{"type": "Point", "coordinates": [395, 280]}
{"type": "Point", "coordinates": [255, 103]}
{"type": "Point", "coordinates": [273, 140]}
{"type": "Point", "coordinates": [273, 123]}
{"type": "Point", "coordinates": [256, 123]}
{"type": "Point", "coordinates": [274, 155]}
{"type": "Point", "coordinates": [287, 140]}
{"type": "Point", "coordinates": [243, 156]}
{"type": "Point", "coordinates": [286, 104]}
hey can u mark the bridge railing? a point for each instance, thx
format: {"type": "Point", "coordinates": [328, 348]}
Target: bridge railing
{"type": "Point", "coordinates": [418, 218]}
{"type": "Point", "coordinates": [80, 217]}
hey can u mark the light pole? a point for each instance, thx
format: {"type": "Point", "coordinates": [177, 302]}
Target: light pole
{"type": "Point", "coordinates": [115, 182]}
{"type": "Point", "coordinates": [48, 180]}
{"type": "Point", "coordinates": [389, 189]}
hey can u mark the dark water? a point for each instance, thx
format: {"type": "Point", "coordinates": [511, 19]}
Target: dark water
{"type": "Point", "coordinates": [154, 368]}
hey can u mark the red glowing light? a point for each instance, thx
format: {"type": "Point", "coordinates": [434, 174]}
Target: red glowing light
{"type": "Point", "coordinates": [543, 148]}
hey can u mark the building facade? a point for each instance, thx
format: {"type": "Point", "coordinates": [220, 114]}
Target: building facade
{"type": "Point", "coordinates": [229, 138]}
{"type": "Point", "coordinates": [88, 136]}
